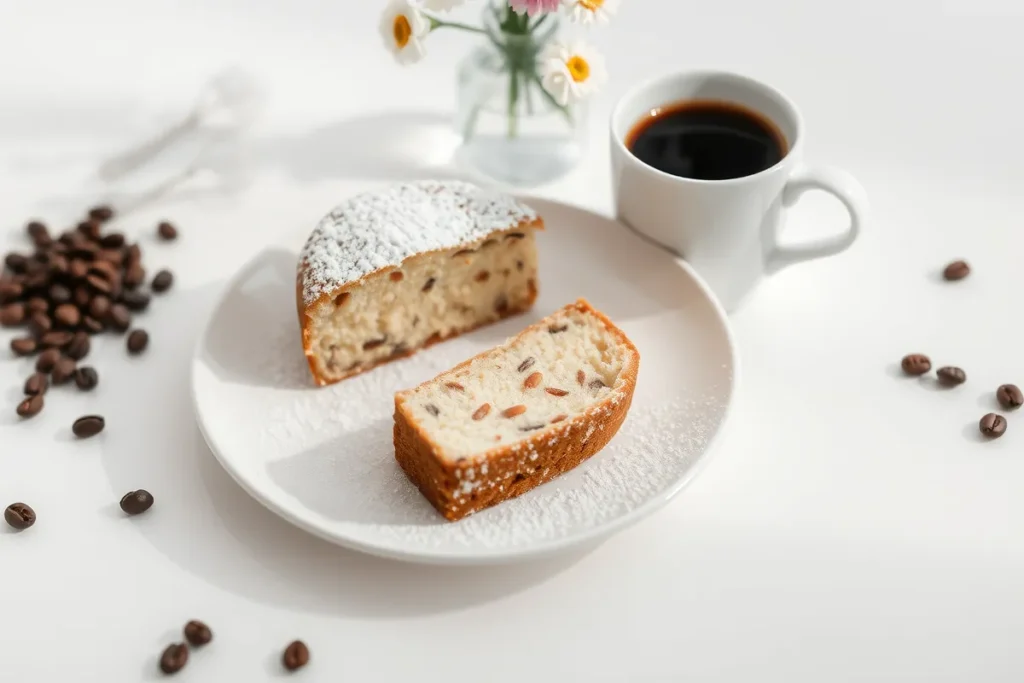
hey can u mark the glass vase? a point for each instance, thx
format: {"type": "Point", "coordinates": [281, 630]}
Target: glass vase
{"type": "Point", "coordinates": [512, 130]}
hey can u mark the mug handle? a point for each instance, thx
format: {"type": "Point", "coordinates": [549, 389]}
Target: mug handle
{"type": "Point", "coordinates": [840, 185]}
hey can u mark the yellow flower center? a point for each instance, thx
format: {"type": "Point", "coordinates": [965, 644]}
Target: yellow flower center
{"type": "Point", "coordinates": [402, 31]}
{"type": "Point", "coordinates": [592, 5]}
{"type": "Point", "coordinates": [579, 69]}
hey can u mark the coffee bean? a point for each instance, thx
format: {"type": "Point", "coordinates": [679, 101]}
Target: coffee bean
{"type": "Point", "coordinates": [20, 516]}
{"type": "Point", "coordinates": [99, 307]}
{"type": "Point", "coordinates": [37, 384]}
{"type": "Point", "coordinates": [16, 262]}
{"type": "Point", "coordinates": [957, 270]}
{"type": "Point", "coordinates": [90, 228]}
{"type": "Point", "coordinates": [58, 265]}
{"type": "Point", "coordinates": [86, 378]}
{"type": "Point", "coordinates": [100, 284]}
{"type": "Point", "coordinates": [197, 633]}
{"type": "Point", "coordinates": [138, 340]}
{"type": "Point", "coordinates": [82, 296]}
{"type": "Point", "coordinates": [135, 300]}
{"type": "Point", "coordinates": [101, 213]}
{"type": "Point", "coordinates": [47, 360]}
{"type": "Point", "coordinates": [63, 371]}
{"type": "Point", "coordinates": [37, 304]}
{"type": "Point", "coordinates": [92, 325]}
{"type": "Point", "coordinates": [136, 502]}
{"type": "Point", "coordinates": [31, 406]}
{"type": "Point", "coordinates": [12, 315]}
{"type": "Point", "coordinates": [993, 425]}
{"type": "Point", "coordinates": [114, 240]}
{"type": "Point", "coordinates": [78, 268]}
{"type": "Point", "coordinates": [88, 426]}
{"type": "Point", "coordinates": [59, 294]}
{"type": "Point", "coordinates": [79, 346]}
{"type": "Point", "coordinates": [56, 339]}
{"type": "Point", "coordinates": [167, 231]}
{"type": "Point", "coordinates": [916, 364]}
{"type": "Point", "coordinates": [10, 291]}
{"type": "Point", "coordinates": [174, 658]}
{"type": "Point", "coordinates": [119, 318]}
{"type": "Point", "coordinates": [23, 346]}
{"type": "Point", "coordinates": [38, 233]}
{"type": "Point", "coordinates": [67, 315]}
{"type": "Point", "coordinates": [1010, 396]}
{"type": "Point", "coordinates": [296, 656]}
{"type": "Point", "coordinates": [951, 375]}
{"type": "Point", "coordinates": [39, 324]}
{"type": "Point", "coordinates": [134, 275]}
{"type": "Point", "coordinates": [162, 281]}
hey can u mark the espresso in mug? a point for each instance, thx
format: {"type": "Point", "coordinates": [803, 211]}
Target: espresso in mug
{"type": "Point", "coordinates": [706, 141]}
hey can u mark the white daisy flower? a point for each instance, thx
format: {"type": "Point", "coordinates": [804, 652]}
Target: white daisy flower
{"type": "Point", "coordinates": [403, 26]}
{"type": "Point", "coordinates": [590, 11]}
{"type": "Point", "coordinates": [441, 5]}
{"type": "Point", "coordinates": [571, 72]}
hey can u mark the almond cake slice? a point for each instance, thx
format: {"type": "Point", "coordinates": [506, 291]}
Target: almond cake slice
{"type": "Point", "coordinates": [518, 415]}
{"type": "Point", "coordinates": [388, 273]}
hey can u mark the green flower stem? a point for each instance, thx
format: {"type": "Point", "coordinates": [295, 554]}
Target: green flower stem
{"type": "Point", "coordinates": [438, 23]}
{"type": "Point", "coordinates": [543, 91]}
{"type": "Point", "coordinates": [513, 99]}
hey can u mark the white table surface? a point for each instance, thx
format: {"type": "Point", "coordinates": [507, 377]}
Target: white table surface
{"type": "Point", "coordinates": [851, 525]}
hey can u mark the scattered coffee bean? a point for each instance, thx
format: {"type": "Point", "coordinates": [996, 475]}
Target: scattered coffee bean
{"type": "Point", "coordinates": [993, 425]}
{"type": "Point", "coordinates": [67, 315]}
{"type": "Point", "coordinates": [12, 315]}
{"type": "Point", "coordinates": [47, 360]}
{"type": "Point", "coordinates": [138, 340]}
{"type": "Point", "coordinates": [162, 281]}
{"type": "Point", "coordinates": [92, 325]}
{"type": "Point", "coordinates": [90, 228]}
{"type": "Point", "coordinates": [63, 371]}
{"type": "Point", "coordinates": [79, 346]}
{"type": "Point", "coordinates": [167, 231]}
{"type": "Point", "coordinates": [174, 658]}
{"type": "Point", "coordinates": [135, 300]}
{"type": "Point", "coordinates": [16, 263]}
{"type": "Point", "coordinates": [296, 655]}
{"type": "Point", "coordinates": [197, 633]}
{"type": "Point", "coordinates": [86, 378]}
{"type": "Point", "coordinates": [36, 385]}
{"type": "Point", "coordinates": [19, 516]}
{"type": "Point", "coordinates": [114, 240]}
{"type": "Point", "coordinates": [23, 346]}
{"type": "Point", "coordinates": [136, 502]}
{"type": "Point", "coordinates": [101, 213]}
{"type": "Point", "coordinates": [119, 318]}
{"type": "Point", "coordinates": [134, 276]}
{"type": "Point", "coordinates": [951, 376]}
{"type": "Point", "coordinates": [88, 426]}
{"type": "Point", "coordinates": [957, 270]}
{"type": "Point", "coordinates": [1010, 396]}
{"type": "Point", "coordinates": [99, 307]}
{"type": "Point", "coordinates": [916, 364]}
{"type": "Point", "coordinates": [10, 291]}
{"type": "Point", "coordinates": [31, 406]}
{"type": "Point", "coordinates": [81, 296]}
{"type": "Point", "coordinates": [59, 294]}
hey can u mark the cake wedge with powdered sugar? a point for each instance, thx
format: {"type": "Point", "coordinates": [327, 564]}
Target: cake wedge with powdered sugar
{"type": "Point", "coordinates": [518, 415]}
{"type": "Point", "coordinates": [388, 273]}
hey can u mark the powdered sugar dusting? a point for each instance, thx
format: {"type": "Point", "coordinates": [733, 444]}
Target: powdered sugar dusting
{"type": "Point", "coordinates": [377, 230]}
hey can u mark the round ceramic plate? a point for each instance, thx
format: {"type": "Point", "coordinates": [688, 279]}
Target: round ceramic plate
{"type": "Point", "coordinates": [323, 458]}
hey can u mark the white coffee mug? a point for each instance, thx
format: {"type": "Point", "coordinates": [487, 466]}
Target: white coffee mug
{"type": "Point", "coordinates": [727, 230]}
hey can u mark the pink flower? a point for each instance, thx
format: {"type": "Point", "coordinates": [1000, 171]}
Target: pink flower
{"type": "Point", "coordinates": [533, 7]}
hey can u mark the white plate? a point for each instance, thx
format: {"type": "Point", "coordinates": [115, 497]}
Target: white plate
{"type": "Point", "coordinates": [323, 458]}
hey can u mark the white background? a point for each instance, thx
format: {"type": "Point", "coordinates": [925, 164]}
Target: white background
{"type": "Point", "coordinates": [851, 525]}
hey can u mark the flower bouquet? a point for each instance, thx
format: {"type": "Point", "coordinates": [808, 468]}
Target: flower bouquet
{"type": "Point", "coordinates": [522, 92]}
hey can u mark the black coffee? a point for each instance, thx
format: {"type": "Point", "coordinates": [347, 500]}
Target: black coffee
{"type": "Point", "coordinates": [706, 141]}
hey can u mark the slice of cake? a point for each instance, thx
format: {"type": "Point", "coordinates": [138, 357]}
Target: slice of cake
{"type": "Point", "coordinates": [519, 414]}
{"type": "Point", "coordinates": [388, 273]}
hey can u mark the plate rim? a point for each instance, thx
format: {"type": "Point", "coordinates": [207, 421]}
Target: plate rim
{"type": "Point", "coordinates": [541, 550]}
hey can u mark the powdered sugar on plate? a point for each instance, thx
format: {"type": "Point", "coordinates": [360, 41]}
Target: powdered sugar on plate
{"type": "Point", "coordinates": [324, 457]}
{"type": "Point", "coordinates": [376, 230]}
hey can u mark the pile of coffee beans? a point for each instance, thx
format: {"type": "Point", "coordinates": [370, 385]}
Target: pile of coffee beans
{"type": "Point", "coordinates": [67, 288]}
